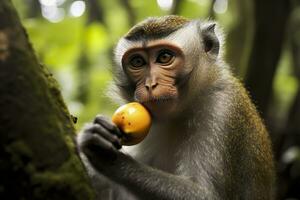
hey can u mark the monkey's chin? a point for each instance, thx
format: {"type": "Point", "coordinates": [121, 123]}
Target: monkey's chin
{"type": "Point", "coordinates": [162, 109]}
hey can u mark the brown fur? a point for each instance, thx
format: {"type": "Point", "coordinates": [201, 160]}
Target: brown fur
{"type": "Point", "coordinates": [156, 27]}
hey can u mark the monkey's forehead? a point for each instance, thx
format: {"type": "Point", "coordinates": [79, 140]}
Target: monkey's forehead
{"type": "Point", "coordinates": [156, 27]}
{"type": "Point", "coordinates": [186, 38]}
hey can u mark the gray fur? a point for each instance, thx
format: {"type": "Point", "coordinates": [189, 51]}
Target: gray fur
{"type": "Point", "coordinates": [215, 148]}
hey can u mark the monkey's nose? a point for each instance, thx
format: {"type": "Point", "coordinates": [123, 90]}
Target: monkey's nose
{"type": "Point", "coordinates": [151, 86]}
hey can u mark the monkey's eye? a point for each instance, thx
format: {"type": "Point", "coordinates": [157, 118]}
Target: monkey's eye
{"type": "Point", "coordinates": [137, 61]}
{"type": "Point", "coordinates": [165, 57]}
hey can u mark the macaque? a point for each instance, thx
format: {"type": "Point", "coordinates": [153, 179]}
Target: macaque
{"type": "Point", "coordinates": [207, 140]}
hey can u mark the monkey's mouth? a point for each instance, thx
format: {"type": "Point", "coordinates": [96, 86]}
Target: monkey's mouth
{"type": "Point", "coordinates": [157, 100]}
{"type": "Point", "coordinates": [160, 107]}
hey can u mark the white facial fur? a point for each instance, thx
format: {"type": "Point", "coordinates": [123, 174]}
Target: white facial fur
{"type": "Point", "coordinates": [187, 38]}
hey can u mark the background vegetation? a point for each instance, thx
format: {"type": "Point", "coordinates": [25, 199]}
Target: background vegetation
{"type": "Point", "coordinates": [75, 40]}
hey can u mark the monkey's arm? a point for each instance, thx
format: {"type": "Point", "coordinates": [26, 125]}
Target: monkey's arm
{"type": "Point", "coordinates": [146, 182]}
{"type": "Point", "coordinates": [143, 181]}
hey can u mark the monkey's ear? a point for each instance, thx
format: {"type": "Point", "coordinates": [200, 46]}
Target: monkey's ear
{"type": "Point", "coordinates": [210, 39]}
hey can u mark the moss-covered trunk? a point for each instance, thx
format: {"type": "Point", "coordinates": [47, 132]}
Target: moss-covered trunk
{"type": "Point", "coordinates": [37, 154]}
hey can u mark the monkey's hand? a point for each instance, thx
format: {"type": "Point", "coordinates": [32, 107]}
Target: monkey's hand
{"type": "Point", "coordinates": [100, 141]}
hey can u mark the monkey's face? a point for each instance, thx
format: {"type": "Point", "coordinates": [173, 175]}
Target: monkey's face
{"type": "Point", "coordinates": [156, 69]}
{"type": "Point", "coordinates": [165, 62]}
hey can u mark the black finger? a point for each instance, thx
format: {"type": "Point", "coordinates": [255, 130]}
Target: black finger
{"type": "Point", "coordinates": [104, 121]}
{"type": "Point", "coordinates": [101, 142]}
{"type": "Point", "coordinates": [107, 135]}
{"type": "Point", "coordinates": [83, 139]}
{"type": "Point", "coordinates": [99, 129]}
{"type": "Point", "coordinates": [102, 147]}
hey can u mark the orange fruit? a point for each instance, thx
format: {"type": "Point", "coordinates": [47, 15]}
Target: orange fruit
{"type": "Point", "coordinates": [134, 120]}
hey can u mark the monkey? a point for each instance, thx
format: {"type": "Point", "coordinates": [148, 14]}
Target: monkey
{"type": "Point", "coordinates": [207, 140]}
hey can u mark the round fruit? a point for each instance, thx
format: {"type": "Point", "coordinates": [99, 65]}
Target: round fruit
{"type": "Point", "coordinates": [134, 120]}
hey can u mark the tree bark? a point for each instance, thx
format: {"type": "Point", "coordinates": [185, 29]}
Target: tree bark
{"type": "Point", "coordinates": [37, 154]}
{"type": "Point", "coordinates": [269, 31]}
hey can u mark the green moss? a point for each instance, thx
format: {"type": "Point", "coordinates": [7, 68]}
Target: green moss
{"type": "Point", "coordinates": [63, 180]}
{"type": "Point", "coordinates": [66, 181]}
{"type": "Point", "coordinates": [19, 152]}
{"type": "Point", "coordinates": [67, 185]}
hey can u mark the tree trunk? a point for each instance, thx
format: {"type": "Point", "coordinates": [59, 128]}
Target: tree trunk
{"type": "Point", "coordinates": [95, 12]}
{"type": "Point", "coordinates": [269, 31]}
{"type": "Point", "coordinates": [177, 4]}
{"type": "Point", "coordinates": [34, 8]}
{"type": "Point", "coordinates": [37, 154]}
{"type": "Point", "coordinates": [130, 11]}
{"type": "Point", "coordinates": [239, 37]}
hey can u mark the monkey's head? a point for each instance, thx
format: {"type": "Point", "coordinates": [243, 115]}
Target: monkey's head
{"type": "Point", "coordinates": [164, 62]}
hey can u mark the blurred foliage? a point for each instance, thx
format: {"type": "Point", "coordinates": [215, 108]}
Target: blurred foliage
{"type": "Point", "coordinates": [72, 41]}
{"type": "Point", "coordinates": [285, 86]}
